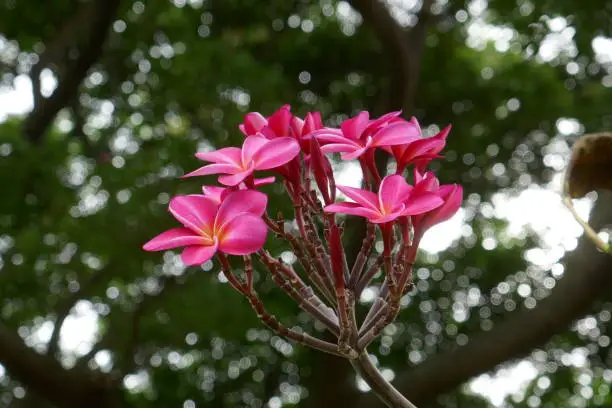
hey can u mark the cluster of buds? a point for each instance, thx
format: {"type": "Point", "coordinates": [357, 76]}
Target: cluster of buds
{"type": "Point", "coordinates": [232, 219]}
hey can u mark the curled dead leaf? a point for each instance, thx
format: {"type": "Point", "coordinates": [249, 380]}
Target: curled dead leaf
{"type": "Point", "coordinates": [590, 166]}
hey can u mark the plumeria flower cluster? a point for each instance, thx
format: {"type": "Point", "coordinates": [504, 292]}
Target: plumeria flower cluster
{"type": "Point", "coordinates": [232, 218]}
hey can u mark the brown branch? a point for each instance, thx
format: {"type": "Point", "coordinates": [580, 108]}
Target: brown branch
{"type": "Point", "coordinates": [130, 340]}
{"type": "Point", "coordinates": [102, 13]}
{"type": "Point", "coordinates": [588, 277]}
{"type": "Point", "coordinates": [402, 49]}
{"type": "Point", "coordinates": [65, 306]}
{"type": "Point", "coordinates": [380, 386]}
{"type": "Point", "coordinates": [45, 376]}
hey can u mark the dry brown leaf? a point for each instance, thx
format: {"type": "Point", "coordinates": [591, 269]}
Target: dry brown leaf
{"type": "Point", "coordinates": [590, 167]}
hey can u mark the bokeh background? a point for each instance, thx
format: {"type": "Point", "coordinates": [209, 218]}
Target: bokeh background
{"type": "Point", "coordinates": [104, 102]}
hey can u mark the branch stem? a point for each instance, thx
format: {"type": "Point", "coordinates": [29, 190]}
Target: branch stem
{"type": "Point", "coordinates": [379, 385]}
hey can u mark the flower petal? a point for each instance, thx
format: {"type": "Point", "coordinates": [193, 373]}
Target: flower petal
{"type": "Point", "coordinates": [333, 138]}
{"type": "Point", "coordinates": [353, 209]}
{"type": "Point", "coordinates": [235, 179]}
{"type": "Point", "coordinates": [393, 190]}
{"type": "Point", "coordinates": [297, 125]}
{"type": "Point", "coordinates": [388, 218]}
{"type": "Point", "coordinates": [196, 212]}
{"type": "Point", "coordinates": [275, 153]}
{"type": "Point", "coordinates": [214, 193]}
{"type": "Point", "coordinates": [174, 238]}
{"type": "Point", "coordinates": [253, 123]}
{"type": "Point", "coordinates": [197, 255]}
{"type": "Point", "coordinates": [353, 128]}
{"type": "Point", "coordinates": [452, 194]}
{"type": "Point", "coordinates": [340, 147]}
{"type": "Point", "coordinates": [312, 122]}
{"type": "Point", "coordinates": [263, 181]}
{"type": "Point", "coordinates": [280, 120]}
{"type": "Point", "coordinates": [240, 202]}
{"type": "Point", "coordinates": [425, 182]}
{"type": "Point", "coordinates": [214, 169]}
{"type": "Point", "coordinates": [228, 155]}
{"type": "Point", "coordinates": [243, 235]}
{"type": "Point", "coordinates": [250, 146]}
{"type": "Point", "coordinates": [396, 134]}
{"type": "Point", "coordinates": [422, 203]}
{"type": "Point", "coordinates": [364, 197]}
{"type": "Point", "coordinates": [354, 154]}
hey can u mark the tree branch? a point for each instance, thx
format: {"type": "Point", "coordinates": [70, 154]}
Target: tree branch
{"type": "Point", "coordinates": [102, 12]}
{"type": "Point", "coordinates": [46, 377]}
{"type": "Point", "coordinates": [403, 50]}
{"type": "Point", "coordinates": [588, 276]}
{"type": "Point", "coordinates": [65, 306]}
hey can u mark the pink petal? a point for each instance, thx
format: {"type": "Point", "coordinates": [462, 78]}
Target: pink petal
{"type": "Point", "coordinates": [327, 131]}
{"type": "Point", "coordinates": [174, 238]}
{"type": "Point", "coordinates": [235, 179]}
{"type": "Point", "coordinates": [452, 195]}
{"type": "Point", "coordinates": [214, 193]}
{"type": "Point", "coordinates": [444, 133]}
{"type": "Point", "coordinates": [196, 212]}
{"type": "Point", "coordinates": [275, 153]}
{"type": "Point", "coordinates": [422, 203]}
{"type": "Point", "coordinates": [333, 138]}
{"type": "Point", "coordinates": [197, 255]}
{"type": "Point", "coordinates": [312, 122]}
{"type": "Point", "coordinates": [297, 125]}
{"type": "Point", "coordinates": [352, 209]}
{"type": "Point", "coordinates": [243, 235]}
{"type": "Point", "coordinates": [239, 202]}
{"type": "Point", "coordinates": [214, 169]}
{"type": "Point", "coordinates": [388, 218]}
{"type": "Point", "coordinates": [420, 147]}
{"type": "Point", "coordinates": [383, 120]}
{"type": "Point", "coordinates": [354, 154]}
{"type": "Point", "coordinates": [279, 121]}
{"type": "Point", "coordinates": [250, 146]}
{"type": "Point", "coordinates": [364, 197]}
{"type": "Point", "coordinates": [263, 181]}
{"type": "Point", "coordinates": [253, 123]}
{"type": "Point", "coordinates": [427, 182]}
{"type": "Point", "coordinates": [353, 128]}
{"type": "Point", "coordinates": [415, 122]}
{"type": "Point", "coordinates": [396, 134]}
{"type": "Point", "coordinates": [228, 155]}
{"type": "Point", "coordinates": [393, 191]}
{"type": "Point", "coordinates": [339, 148]}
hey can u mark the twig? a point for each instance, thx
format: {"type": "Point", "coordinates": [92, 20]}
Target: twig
{"type": "Point", "coordinates": [588, 230]}
{"type": "Point", "coordinates": [299, 337]}
{"type": "Point", "coordinates": [301, 293]}
{"type": "Point", "coordinates": [362, 256]}
{"type": "Point", "coordinates": [380, 386]}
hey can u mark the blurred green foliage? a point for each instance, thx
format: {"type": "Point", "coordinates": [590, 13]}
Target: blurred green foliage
{"type": "Point", "coordinates": [178, 76]}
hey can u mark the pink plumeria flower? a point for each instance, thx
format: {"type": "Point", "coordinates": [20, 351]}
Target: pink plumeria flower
{"type": "Point", "coordinates": [302, 129]}
{"type": "Point", "coordinates": [238, 165]}
{"type": "Point", "coordinates": [359, 135]}
{"type": "Point", "coordinates": [233, 227]}
{"type": "Point", "coordinates": [452, 196]}
{"type": "Point", "coordinates": [275, 125]}
{"type": "Point", "coordinates": [395, 198]}
{"type": "Point", "coordinates": [418, 150]}
{"type": "Point", "coordinates": [217, 193]}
